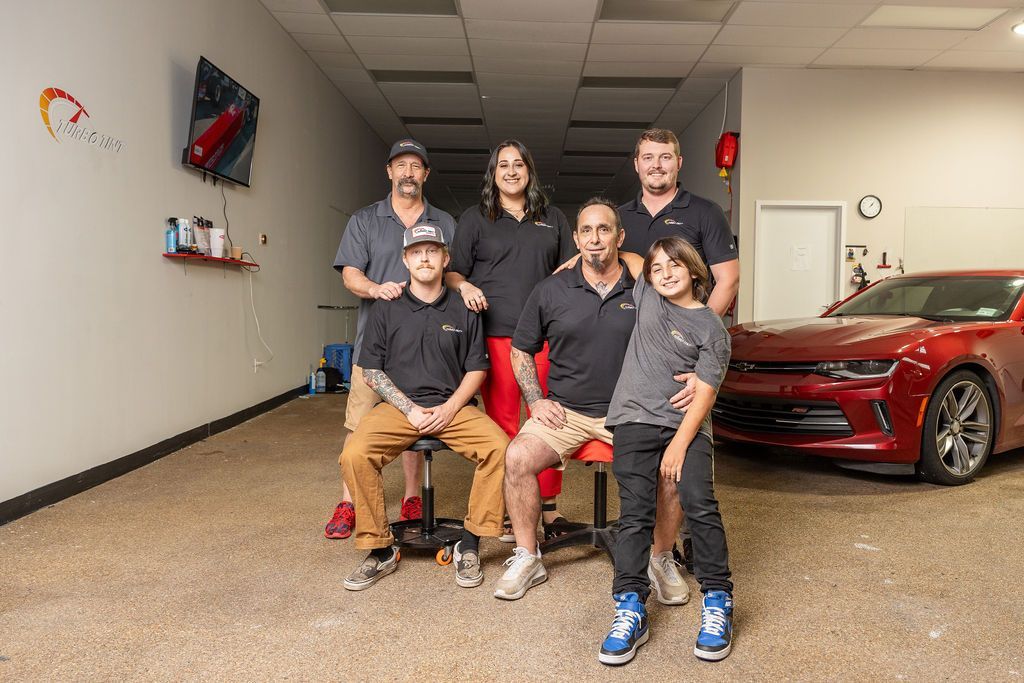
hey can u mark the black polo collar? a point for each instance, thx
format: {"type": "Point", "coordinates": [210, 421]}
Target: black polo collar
{"type": "Point", "coordinates": [574, 277]}
{"type": "Point", "coordinates": [440, 303]}
{"type": "Point", "coordinates": [681, 200]}
{"type": "Point", "coordinates": [386, 209]}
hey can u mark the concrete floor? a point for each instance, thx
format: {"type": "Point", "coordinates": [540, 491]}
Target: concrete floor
{"type": "Point", "coordinates": [211, 565]}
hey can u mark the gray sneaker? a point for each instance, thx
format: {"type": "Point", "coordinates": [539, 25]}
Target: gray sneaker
{"type": "Point", "coordinates": [371, 571]}
{"type": "Point", "coordinates": [467, 567]}
{"type": "Point", "coordinates": [524, 572]}
{"type": "Point", "coordinates": [668, 583]}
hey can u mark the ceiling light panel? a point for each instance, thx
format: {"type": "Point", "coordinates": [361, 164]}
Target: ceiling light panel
{"type": "Point", "coordinates": [530, 10]}
{"type": "Point", "coordinates": [629, 83]}
{"type": "Point", "coordinates": [738, 54]}
{"type": "Point", "coordinates": [614, 125]}
{"type": "Point", "coordinates": [341, 76]}
{"type": "Point", "coordinates": [629, 69]}
{"type": "Point", "coordinates": [556, 51]}
{"type": "Point", "coordinates": [417, 77]}
{"type": "Point", "coordinates": [440, 7]}
{"type": "Point", "coordinates": [778, 36]}
{"type": "Point", "coordinates": [530, 31]}
{"type": "Point", "coordinates": [336, 59]}
{"type": "Point", "coordinates": [301, 22]}
{"type": "Point", "coordinates": [309, 6]}
{"type": "Point", "coordinates": [659, 10]}
{"type": "Point", "coordinates": [322, 43]}
{"type": "Point", "coordinates": [625, 53]}
{"type": "Point", "coordinates": [895, 59]}
{"type": "Point", "coordinates": [520, 81]}
{"type": "Point", "coordinates": [419, 46]}
{"type": "Point", "coordinates": [379, 25]}
{"type": "Point", "coordinates": [838, 15]}
{"type": "Point", "coordinates": [651, 35]}
{"type": "Point", "coordinates": [901, 39]}
{"type": "Point", "coordinates": [901, 16]}
{"type": "Point", "coordinates": [518, 65]}
{"type": "Point", "coordinates": [417, 62]}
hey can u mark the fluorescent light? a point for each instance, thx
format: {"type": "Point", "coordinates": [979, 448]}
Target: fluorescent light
{"type": "Point", "coordinates": [964, 18]}
{"type": "Point", "coordinates": [1018, 29]}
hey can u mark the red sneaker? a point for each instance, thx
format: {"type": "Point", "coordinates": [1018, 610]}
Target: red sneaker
{"type": "Point", "coordinates": [343, 521]}
{"type": "Point", "coordinates": [412, 508]}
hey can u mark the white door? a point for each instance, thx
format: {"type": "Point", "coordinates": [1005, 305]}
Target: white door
{"type": "Point", "coordinates": [797, 249]}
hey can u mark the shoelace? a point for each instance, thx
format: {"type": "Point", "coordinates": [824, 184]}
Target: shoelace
{"type": "Point", "coordinates": [712, 620]}
{"type": "Point", "coordinates": [625, 620]}
{"type": "Point", "coordinates": [515, 562]}
{"type": "Point", "coordinates": [666, 562]}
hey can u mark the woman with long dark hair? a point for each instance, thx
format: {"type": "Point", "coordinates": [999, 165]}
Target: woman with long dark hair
{"type": "Point", "coordinates": [502, 248]}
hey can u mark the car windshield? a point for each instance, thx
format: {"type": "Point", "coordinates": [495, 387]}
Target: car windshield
{"type": "Point", "coordinates": [957, 298]}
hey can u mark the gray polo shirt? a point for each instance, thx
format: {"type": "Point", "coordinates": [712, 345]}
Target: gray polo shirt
{"type": "Point", "coordinates": [666, 341]}
{"type": "Point", "coordinates": [372, 242]}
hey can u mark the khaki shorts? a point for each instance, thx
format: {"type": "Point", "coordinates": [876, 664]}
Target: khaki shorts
{"type": "Point", "coordinates": [361, 399]}
{"type": "Point", "coordinates": [578, 430]}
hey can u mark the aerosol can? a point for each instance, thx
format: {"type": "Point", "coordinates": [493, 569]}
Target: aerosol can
{"type": "Point", "coordinates": [184, 236]}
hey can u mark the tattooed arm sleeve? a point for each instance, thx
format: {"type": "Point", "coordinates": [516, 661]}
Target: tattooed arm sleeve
{"type": "Point", "coordinates": [525, 369]}
{"type": "Point", "coordinates": [386, 389]}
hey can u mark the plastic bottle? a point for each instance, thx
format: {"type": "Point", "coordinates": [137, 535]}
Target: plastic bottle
{"type": "Point", "coordinates": [321, 377]}
{"type": "Point", "coordinates": [312, 381]}
{"type": "Point", "coordinates": [170, 240]}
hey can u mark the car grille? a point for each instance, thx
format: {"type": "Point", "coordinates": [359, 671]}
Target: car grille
{"type": "Point", "coordinates": [780, 416]}
{"type": "Point", "coordinates": [771, 366]}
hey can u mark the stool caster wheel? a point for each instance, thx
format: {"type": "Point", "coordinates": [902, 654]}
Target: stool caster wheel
{"type": "Point", "coordinates": [398, 556]}
{"type": "Point", "coordinates": [444, 556]}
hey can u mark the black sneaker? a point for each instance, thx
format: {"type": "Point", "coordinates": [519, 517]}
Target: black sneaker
{"type": "Point", "coordinates": [685, 558]}
{"type": "Point", "coordinates": [371, 571]}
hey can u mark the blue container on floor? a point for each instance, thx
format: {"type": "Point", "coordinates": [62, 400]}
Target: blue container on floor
{"type": "Point", "coordinates": [339, 356]}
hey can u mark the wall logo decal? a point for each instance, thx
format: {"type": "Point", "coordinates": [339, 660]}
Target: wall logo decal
{"type": "Point", "coordinates": [63, 115]}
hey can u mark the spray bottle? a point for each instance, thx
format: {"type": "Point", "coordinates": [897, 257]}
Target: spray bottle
{"type": "Point", "coordinates": [312, 381]}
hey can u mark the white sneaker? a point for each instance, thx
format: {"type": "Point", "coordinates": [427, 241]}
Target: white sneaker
{"type": "Point", "coordinates": [524, 572]}
{"type": "Point", "coordinates": [668, 583]}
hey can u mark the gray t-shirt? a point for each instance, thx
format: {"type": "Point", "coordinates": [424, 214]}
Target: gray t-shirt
{"type": "Point", "coordinates": [667, 340]}
{"type": "Point", "coordinates": [372, 242]}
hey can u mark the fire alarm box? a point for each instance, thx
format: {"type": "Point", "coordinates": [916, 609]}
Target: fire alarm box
{"type": "Point", "coordinates": [726, 149]}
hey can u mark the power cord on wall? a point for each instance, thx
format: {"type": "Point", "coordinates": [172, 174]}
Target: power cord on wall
{"type": "Point", "coordinates": [227, 225]}
{"type": "Point", "coordinates": [256, 363]}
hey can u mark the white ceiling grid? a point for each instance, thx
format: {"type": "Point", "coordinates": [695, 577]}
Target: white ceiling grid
{"type": "Point", "coordinates": [577, 80]}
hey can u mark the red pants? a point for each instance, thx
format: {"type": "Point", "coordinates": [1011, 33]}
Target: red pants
{"type": "Point", "coordinates": [502, 399]}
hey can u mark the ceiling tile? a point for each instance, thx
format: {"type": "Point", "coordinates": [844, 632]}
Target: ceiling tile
{"type": "Point", "coordinates": [300, 22]}
{"type": "Point", "coordinates": [527, 66]}
{"type": "Point", "coordinates": [901, 39]}
{"type": "Point", "coordinates": [449, 136]}
{"type": "Point", "coordinates": [417, 63]}
{"type": "Point", "coordinates": [738, 54]}
{"type": "Point", "coordinates": [647, 34]}
{"type": "Point", "coordinates": [799, 14]}
{"type": "Point", "coordinates": [997, 36]}
{"type": "Point", "coordinates": [604, 140]}
{"type": "Point", "coordinates": [343, 75]}
{"type": "Point", "coordinates": [707, 11]}
{"type": "Point", "coordinates": [380, 25]}
{"type": "Point", "coordinates": [932, 17]}
{"type": "Point", "coordinates": [310, 6]}
{"type": "Point", "coordinates": [322, 43]}
{"type": "Point", "coordinates": [336, 59]}
{"type": "Point", "coordinates": [900, 59]}
{"type": "Point", "coordinates": [608, 104]}
{"type": "Point", "coordinates": [530, 10]}
{"type": "Point", "coordinates": [591, 164]}
{"type": "Point", "coordinates": [626, 53]}
{"type": "Point", "coordinates": [460, 162]}
{"type": "Point", "coordinates": [700, 86]}
{"type": "Point", "coordinates": [433, 99]}
{"type": "Point", "coordinates": [549, 51]}
{"type": "Point", "coordinates": [419, 45]}
{"type": "Point", "coordinates": [778, 36]}
{"type": "Point", "coordinates": [529, 31]}
{"type": "Point", "coordinates": [976, 59]}
{"type": "Point", "coordinates": [676, 121]}
{"type": "Point", "coordinates": [644, 69]}
{"type": "Point", "coordinates": [715, 70]}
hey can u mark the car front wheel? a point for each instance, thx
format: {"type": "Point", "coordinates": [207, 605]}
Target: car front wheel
{"type": "Point", "coordinates": [959, 430]}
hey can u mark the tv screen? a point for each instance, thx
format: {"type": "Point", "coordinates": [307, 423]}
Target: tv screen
{"type": "Point", "coordinates": [222, 132]}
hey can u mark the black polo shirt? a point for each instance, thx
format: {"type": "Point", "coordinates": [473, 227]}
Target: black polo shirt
{"type": "Point", "coordinates": [507, 257]}
{"type": "Point", "coordinates": [697, 220]}
{"type": "Point", "coordinates": [587, 337]}
{"type": "Point", "coordinates": [424, 348]}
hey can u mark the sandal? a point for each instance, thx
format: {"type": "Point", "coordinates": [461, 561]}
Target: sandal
{"type": "Point", "coordinates": [560, 526]}
{"type": "Point", "coordinates": [507, 535]}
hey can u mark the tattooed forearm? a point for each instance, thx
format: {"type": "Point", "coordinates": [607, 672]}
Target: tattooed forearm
{"type": "Point", "coordinates": [525, 370]}
{"type": "Point", "coordinates": [386, 389]}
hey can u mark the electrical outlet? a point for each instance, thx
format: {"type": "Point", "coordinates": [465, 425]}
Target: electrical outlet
{"type": "Point", "coordinates": [263, 238]}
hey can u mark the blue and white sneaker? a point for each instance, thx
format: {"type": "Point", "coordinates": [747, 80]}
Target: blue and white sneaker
{"type": "Point", "coordinates": [629, 630]}
{"type": "Point", "coordinates": [715, 638]}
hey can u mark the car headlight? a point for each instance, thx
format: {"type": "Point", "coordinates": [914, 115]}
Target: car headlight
{"type": "Point", "coordinates": [856, 369]}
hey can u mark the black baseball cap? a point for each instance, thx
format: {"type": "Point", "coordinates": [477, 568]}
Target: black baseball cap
{"type": "Point", "coordinates": [409, 146]}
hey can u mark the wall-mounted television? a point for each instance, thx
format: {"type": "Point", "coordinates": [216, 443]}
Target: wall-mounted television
{"type": "Point", "coordinates": [222, 130]}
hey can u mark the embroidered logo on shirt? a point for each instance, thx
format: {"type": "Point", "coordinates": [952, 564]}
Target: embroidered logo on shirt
{"type": "Point", "coordinates": [450, 328]}
{"type": "Point", "coordinates": [672, 221]}
{"type": "Point", "coordinates": [543, 224]}
{"type": "Point", "coordinates": [678, 336]}
{"type": "Point", "coordinates": [627, 307]}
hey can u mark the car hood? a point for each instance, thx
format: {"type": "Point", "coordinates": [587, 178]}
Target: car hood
{"type": "Point", "coordinates": [826, 338]}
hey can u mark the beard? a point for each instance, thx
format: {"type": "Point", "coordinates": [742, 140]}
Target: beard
{"type": "Point", "coordinates": [595, 262]}
{"type": "Point", "coordinates": [409, 189]}
{"type": "Point", "coordinates": [658, 184]}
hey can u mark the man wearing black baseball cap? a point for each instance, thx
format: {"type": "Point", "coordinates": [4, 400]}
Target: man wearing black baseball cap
{"type": "Point", "coordinates": [370, 262]}
{"type": "Point", "coordinates": [424, 354]}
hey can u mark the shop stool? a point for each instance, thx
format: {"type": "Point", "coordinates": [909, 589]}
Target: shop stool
{"type": "Point", "coordinates": [601, 534]}
{"type": "Point", "coordinates": [429, 532]}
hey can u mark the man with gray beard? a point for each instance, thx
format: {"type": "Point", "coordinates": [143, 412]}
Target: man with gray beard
{"type": "Point", "coordinates": [370, 262]}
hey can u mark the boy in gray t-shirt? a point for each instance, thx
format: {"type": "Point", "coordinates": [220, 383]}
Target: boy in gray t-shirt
{"type": "Point", "coordinates": [674, 333]}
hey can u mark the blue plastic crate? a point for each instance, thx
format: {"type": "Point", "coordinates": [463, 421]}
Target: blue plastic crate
{"type": "Point", "coordinates": [340, 356]}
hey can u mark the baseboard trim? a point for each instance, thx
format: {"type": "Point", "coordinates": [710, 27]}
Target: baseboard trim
{"type": "Point", "coordinates": [27, 503]}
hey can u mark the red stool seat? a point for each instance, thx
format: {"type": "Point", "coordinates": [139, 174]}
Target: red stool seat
{"type": "Point", "coordinates": [594, 451]}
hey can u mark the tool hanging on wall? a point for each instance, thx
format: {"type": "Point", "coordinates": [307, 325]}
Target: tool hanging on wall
{"type": "Point", "coordinates": [859, 277]}
{"type": "Point", "coordinates": [885, 263]}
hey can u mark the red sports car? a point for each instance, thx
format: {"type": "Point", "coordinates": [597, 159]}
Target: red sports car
{"type": "Point", "coordinates": [923, 372]}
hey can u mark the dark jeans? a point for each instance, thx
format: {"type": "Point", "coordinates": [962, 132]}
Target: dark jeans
{"type": "Point", "coordinates": [638, 449]}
